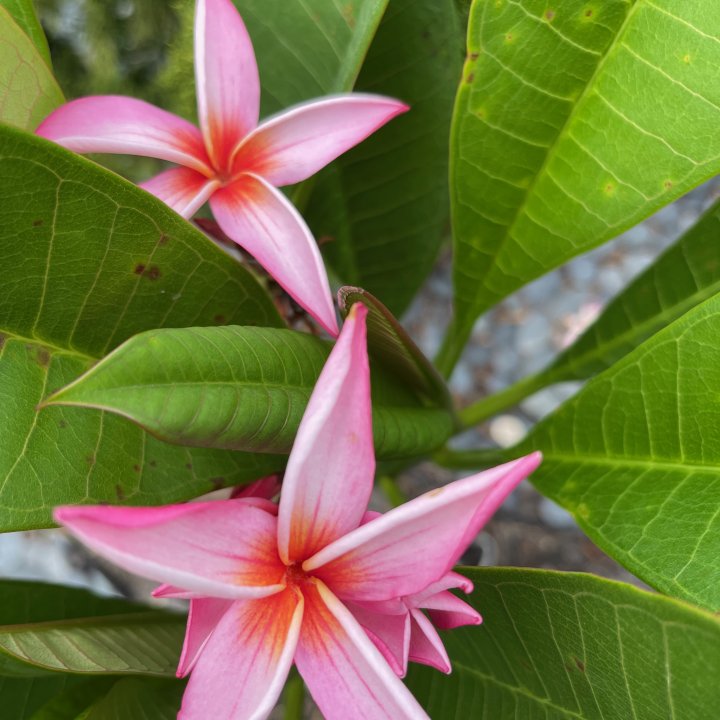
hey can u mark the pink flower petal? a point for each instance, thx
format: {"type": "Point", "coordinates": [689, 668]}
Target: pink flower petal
{"type": "Point", "coordinates": [389, 633]}
{"type": "Point", "coordinates": [242, 669]}
{"type": "Point", "coordinates": [183, 189]}
{"type": "Point", "coordinates": [298, 142]}
{"type": "Point", "coordinates": [449, 581]}
{"type": "Point", "coordinates": [346, 674]}
{"type": "Point", "coordinates": [414, 545]}
{"type": "Point", "coordinates": [330, 471]}
{"type": "Point", "coordinates": [426, 647]}
{"type": "Point", "coordinates": [267, 487]}
{"type": "Point", "coordinates": [114, 124]}
{"type": "Point", "coordinates": [226, 77]}
{"type": "Point", "coordinates": [225, 549]}
{"type": "Point", "coordinates": [262, 220]}
{"type": "Point", "coordinates": [204, 615]}
{"type": "Point", "coordinates": [448, 611]}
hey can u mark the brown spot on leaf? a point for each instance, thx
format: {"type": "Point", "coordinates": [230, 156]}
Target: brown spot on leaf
{"type": "Point", "coordinates": [62, 424]}
{"type": "Point", "coordinates": [217, 482]}
{"type": "Point", "coordinates": [325, 239]}
{"type": "Point", "coordinates": [580, 664]}
{"type": "Point", "coordinates": [188, 466]}
{"type": "Point", "coordinates": [470, 78]}
{"type": "Point", "coordinates": [668, 184]}
{"type": "Point", "coordinates": [219, 319]}
{"type": "Point", "coordinates": [163, 239]}
{"type": "Point", "coordinates": [139, 269]}
{"type": "Point", "coordinates": [474, 56]}
{"type": "Point", "coordinates": [3, 338]}
{"type": "Point", "coordinates": [589, 12]}
{"type": "Point", "coordinates": [549, 15]}
{"type": "Point", "coordinates": [37, 223]}
{"type": "Point", "coordinates": [119, 492]}
{"type": "Point", "coordinates": [43, 357]}
{"type": "Point", "coordinates": [153, 273]}
{"type": "Point", "coordinates": [136, 468]}
{"type": "Point", "coordinates": [153, 463]}
{"type": "Point", "coordinates": [90, 460]}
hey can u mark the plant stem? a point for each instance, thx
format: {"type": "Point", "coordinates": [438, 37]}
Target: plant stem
{"type": "Point", "coordinates": [294, 697]}
{"type": "Point", "coordinates": [471, 459]}
{"type": "Point", "coordinates": [450, 351]}
{"type": "Point", "coordinates": [392, 492]}
{"type": "Point", "coordinates": [489, 406]}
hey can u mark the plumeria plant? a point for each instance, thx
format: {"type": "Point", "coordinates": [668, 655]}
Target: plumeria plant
{"type": "Point", "coordinates": [212, 307]}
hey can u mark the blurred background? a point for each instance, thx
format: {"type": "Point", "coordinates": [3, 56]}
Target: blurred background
{"type": "Point", "coordinates": [144, 49]}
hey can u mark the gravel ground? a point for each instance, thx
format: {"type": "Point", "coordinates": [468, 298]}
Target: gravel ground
{"type": "Point", "coordinates": [518, 337]}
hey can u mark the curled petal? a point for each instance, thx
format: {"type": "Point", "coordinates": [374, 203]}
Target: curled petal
{"type": "Point", "coordinates": [242, 668]}
{"type": "Point", "coordinates": [114, 124]}
{"type": "Point", "coordinates": [389, 633]}
{"type": "Point", "coordinates": [203, 617]}
{"type": "Point", "coordinates": [295, 144]}
{"type": "Point", "coordinates": [346, 674]}
{"type": "Point", "coordinates": [224, 549]}
{"type": "Point", "coordinates": [426, 647]}
{"type": "Point", "coordinates": [448, 611]}
{"type": "Point", "coordinates": [262, 220]}
{"type": "Point", "coordinates": [330, 471]}
{"type": "Point", "coordinates": [414, 545]}
{"type": "Point", "coordinates": [226, 76]}
{"type": "Point", "coordinates": [267, 488]}
{"type": "Point", "coordinates": [183, 189]}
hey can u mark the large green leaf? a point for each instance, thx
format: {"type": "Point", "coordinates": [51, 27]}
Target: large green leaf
{"type": "Point", "coordinates": [133, 698]}
{"type": "Point", "coordinates": [23, 12]}
{"type": "Point", "coordinates": [574, 121]}
{"type": "Point", "coordinates": [73, 700]}
{"type": "Point", "coordinates": [24, 698]}
{"type": "Point", "coordinates": [684, 276]}
{"type": "Point", "coordinates": [384, 205]}
{"type": "Point", "coordinates": [28, 90]}
{"type": "Point", "coordinates": [89, 260]}
{"type": "Point", "coordinates": [241, 388]}
{"type": "Point", "coordinates": [562, 646]}
{"type": "Point", "coordinates": [635, 456]}
{"type": "Point", "coordinates": [46, 628]}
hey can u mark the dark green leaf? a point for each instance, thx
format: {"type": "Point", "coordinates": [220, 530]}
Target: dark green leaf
{"type": "Point", "coordinates": [241, 388]}
{"type": "Point", "coordinates": [48, 628]}
{"type": "Point", "coordinates": [390, 345]}
{"type": "Point", "coordinates": [134, 698]}
{"type": "Point", "coordinates": [685, 275]}
{"type": "Point", "coordinates": [24, 698]}
{"type": "Point", "coordinates": [567, 131]}
{"type": "Point", "coordinates": [635, 456]}
{"type": "Point", "coordinates": [23, 12]}
{"type": "Point", "coordinates": [89, 260]}
{"type": "Point", "coordinates": [78, 697]}
{"type": "Point", "coordinates": [562, 646]}
{"type": "Point", "coordinates": [28, 90]}
{"type": "Point", "coordinates": [384, 205]}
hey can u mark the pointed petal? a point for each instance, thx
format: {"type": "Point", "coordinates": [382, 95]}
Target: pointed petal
{"type": "Point", "coordinates": [242, 669]}
{"type": "Point", "coordinates": [346, 674]}
{"type": "Point", "coordinates": [414, 545]}
{"type": "Point", "coordinates": [449, 581]}
{"type": "Point", "coordinates": [262, 220]}
{"type": "Point", "coordinates": [426, 647]}
{"type": "Point", "coordinates": [330, 471]}
{"type": "Point", "coordinates": [224, 549]}
{"type": "Point", "coordinates": [448, 611]}
{"type": "Point", "coordinates": [183, 189]}
{"type": "Point", "coordinates": [226, 76]}
{"type": "Point", "coordinates": [203, 617]}
{"type": "Point", "coordinates": [295, 144]}
{"type": "Point", "coordinates": [389, 633]}
{"type": "Point", "coordinates": [115, 124]}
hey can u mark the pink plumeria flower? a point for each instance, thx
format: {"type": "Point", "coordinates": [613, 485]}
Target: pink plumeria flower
{"type": "Point", "coordinates": [270, 584]}
{"type": "Point", "coordinates": [232, 161]}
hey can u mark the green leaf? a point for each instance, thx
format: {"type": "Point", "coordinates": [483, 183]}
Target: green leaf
{"type": "Point", "coordinates": [240, 388]}
{"type": "Point", "coordinates": [28, 90]}
{"type": "Point", "coordinates": [567, 132]}
{"type": "Point", "coordinates": [48, 628]}
{"type": "Point", "coordinates": [133, 698]}
{"type": "Point", "coordinates": [684, 276]}
{"type": "Point", "coordinates": [72, 701]}
{"type": "Point", "coordinates": [390, 345]}
{"type": "Point", "coordinates": [565, 646]}
{"type": "Point", "coordinates": [23, 12]}
{"type": "Point", "coordinates": [24, 698]}
{"type": "Point", "coordinates": [384, 205]}
{"type": "Point", "coordinates": [90, 260]}
{"type": "Point", "coordinates": [635, 456]}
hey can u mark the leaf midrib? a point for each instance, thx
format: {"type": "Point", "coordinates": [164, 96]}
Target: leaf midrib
{"type": "Point", "coordinates": [51, 346]}
{"type": "Point", "coordinates": [615, 461]}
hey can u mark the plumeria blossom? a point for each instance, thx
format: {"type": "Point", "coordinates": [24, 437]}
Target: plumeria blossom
{"type": "Point", "coordinates": [231, 161]}
{"type": "Point", "coordinates": [272, 585]}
